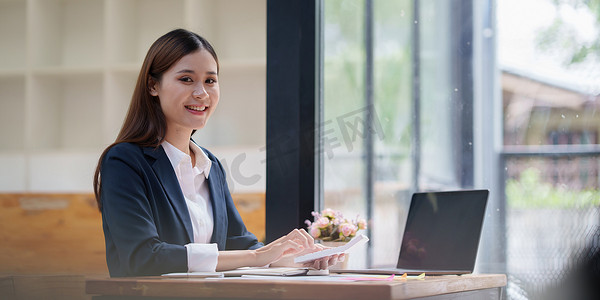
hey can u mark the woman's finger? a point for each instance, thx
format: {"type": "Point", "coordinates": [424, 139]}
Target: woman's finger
{"type": "Point", "coordinates": [324, 263]}
{"type": "Point", "coordinates": [319, 247]}
{"type": "Point", "coordinates": [297, 236]}
{"type": "Point", "coordinates": [309, 238]}
{"type": "Point", "coordinates": [292, 247]}
{"type": "Point", "coordinates": [332, 260]}
{"type": "Point", "coordinates": [317, 264]}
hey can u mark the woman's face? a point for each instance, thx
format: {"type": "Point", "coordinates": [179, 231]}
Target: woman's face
{"type": "Point", "coordinates": [188, 92]}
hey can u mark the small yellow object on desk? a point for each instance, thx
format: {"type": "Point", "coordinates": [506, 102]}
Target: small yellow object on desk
{"type": "Point", "coordinates": [405, 277]}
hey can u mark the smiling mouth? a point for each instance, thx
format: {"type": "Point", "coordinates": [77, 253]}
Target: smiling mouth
{"type": "Point", "coordinates": [196, 108]}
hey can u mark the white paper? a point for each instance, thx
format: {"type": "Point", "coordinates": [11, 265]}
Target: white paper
{"type": "Point", "coordinates": [194, 274]}
{"type": "Point", "coordinates": [267, 271]}
{"type": "Point", "coordinates": [330, 278]}
{"type": "Point", "coordinates": [358, 240]}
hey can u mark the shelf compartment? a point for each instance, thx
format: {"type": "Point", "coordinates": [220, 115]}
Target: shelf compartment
{"type": "Point", "coordinates": [242, 34]}
{"type": "Point", "coordinates": [12, 110]}
{"type": "Point", "coordinates": [133, 25]}
{"type": "Point", "coordinates": [70, 172]}
{"type": "Point", "coordinates": [67, 33]}
{"type": "Point", "coordinates": [66, 112]}
{"type": "Point", "coordinates": [12, 34]}
{"type": "Point", "coordinates": [119, 89]}
{"type": "Point", "coordinates": [68, 70]}
{"type": "Point", "coordinates": [13, 177]}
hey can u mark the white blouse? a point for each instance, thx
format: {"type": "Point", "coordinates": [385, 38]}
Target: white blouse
{"type": "Point", "coordinates": [202, 256]}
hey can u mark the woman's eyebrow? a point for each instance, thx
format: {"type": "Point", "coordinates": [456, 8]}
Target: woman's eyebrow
{"type": "Point", "coordinates": [186, 71]}
{"type": "Point", "coordinates": [192, 72]}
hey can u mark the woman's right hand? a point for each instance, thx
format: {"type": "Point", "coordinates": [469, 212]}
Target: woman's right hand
{"type": "Point", "coordinates": [294, 242]}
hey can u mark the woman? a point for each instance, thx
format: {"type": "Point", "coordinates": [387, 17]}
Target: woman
{"type": "Point", "coordinates": [164, 200]}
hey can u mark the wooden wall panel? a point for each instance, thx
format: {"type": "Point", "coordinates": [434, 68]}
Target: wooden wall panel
{"type": "Point", "coordinates": [62, 233]}
{"type": "Point", "coordinates": [51, 233]}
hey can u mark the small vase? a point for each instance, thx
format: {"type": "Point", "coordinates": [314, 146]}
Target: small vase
{"type": "Point", "coordinates": [340, 265]}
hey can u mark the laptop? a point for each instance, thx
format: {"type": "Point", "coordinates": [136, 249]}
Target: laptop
{"type": "Point", "coordinates": [441, 236]}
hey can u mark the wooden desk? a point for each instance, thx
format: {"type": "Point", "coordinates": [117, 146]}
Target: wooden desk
{"type": "Point", "coordinates": [483, 286]}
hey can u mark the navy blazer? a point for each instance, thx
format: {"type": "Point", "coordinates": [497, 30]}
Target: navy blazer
{"type": "Point", "coordinates": [145, 218]}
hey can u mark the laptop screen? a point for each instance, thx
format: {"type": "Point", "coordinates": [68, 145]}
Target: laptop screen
{"type": "Point", "coordinates": [442, 230]}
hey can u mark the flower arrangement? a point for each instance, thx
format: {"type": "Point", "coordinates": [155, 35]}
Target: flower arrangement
{"type": "Point", "coordinates": [330, 225]}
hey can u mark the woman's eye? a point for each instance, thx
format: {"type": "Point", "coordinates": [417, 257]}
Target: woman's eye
{"type": "Point", "coordinates": [211, 80]}
{"type": "Point", "coordinates": [185, 79]}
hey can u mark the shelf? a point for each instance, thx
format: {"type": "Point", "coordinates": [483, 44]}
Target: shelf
{"type": "Point", "coordinates": [69, 67]}
{"type": "Point", "coordinates": [12, 110]}
{"type": "Point", "coordinates": [67, 32]}
{"type": "Point", "coordinates": [66, 112]}
{"type": "Point", "coordinates": [234, 64]}
{"type": "Point", "coordinates": [133, 25]}
{"type": "Point", "coordinates": [68, 70]}
{"type": "Point", "coordinates": [127, 68]}
{"type": "Point", "coordinates": [241, 35]}
{"type": "Point", "coordinates": [62, 171]}
{"type": "Point", "coordinates": [13, 177]}
{"type": "Point", "coordinates": [12, 35]}
{"type": "Point", "coordinates": [12, 73]}
{"type": "Point", "coordinates": [119, 89]}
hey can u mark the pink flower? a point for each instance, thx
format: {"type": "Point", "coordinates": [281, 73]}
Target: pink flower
{"type": "Point", "coordinates": [329, 213]}
{"type": "Point", "coordinates": [354, 230]}
{"type": "Point", "coordinates": [322, 222]}
{"type": "Point", "coordinates": [330, 225]}
{"type": "Point", "coordinates": [315, 232]}
{"type": "Point", "coordinates": [347, 229]}
{"type": "Point", "coordinates": [362, 224]}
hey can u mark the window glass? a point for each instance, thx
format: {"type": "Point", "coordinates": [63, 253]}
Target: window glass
{"type": "Point", "coordinates": [436, 96]}
{"type": "Point", "coordinates": [344, 90]}
{"type": "Point", "coordinates": [538, 125]}
{"type": "Point", "coordinates": [411, 133]}
{"type": "Point", "coordinates": [548, 61]}
{"type": "Point", "coordinates": [346, 122]}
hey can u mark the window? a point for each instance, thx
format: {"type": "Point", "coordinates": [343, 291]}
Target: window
{"type": "Point", "coordinates": [406, 96]}
{"type": "Point", "coordinates": [551, 156]}
{"type": "Point", "coordinates": [398, 110]}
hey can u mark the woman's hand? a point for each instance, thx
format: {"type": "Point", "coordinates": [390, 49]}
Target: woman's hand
{"type": "Point", "coordinates": [278, 253]}
{"type": "Point", "coordinates": [290, 245]}
{"type": "Point", "coordinates": [325, 262]}
{"type": "Point", "coordinates": [319, 264]}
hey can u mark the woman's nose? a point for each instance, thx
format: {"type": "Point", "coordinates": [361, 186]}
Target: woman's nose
{"type": "Point", "coordinates": [199, 92]}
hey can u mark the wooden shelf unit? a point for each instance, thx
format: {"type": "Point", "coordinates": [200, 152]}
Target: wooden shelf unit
{"type": "Point", "coordinates": [68, 70]}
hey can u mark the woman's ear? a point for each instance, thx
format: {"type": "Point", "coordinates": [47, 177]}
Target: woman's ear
{"type": "Point", "coordinates": [152, 87]}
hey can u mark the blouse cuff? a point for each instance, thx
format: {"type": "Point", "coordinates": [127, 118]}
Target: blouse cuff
{"type": "Point", "coordinates": [202, 257]}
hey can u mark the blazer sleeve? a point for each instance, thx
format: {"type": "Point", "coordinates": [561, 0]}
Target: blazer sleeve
{"type": "Point", "coordinates": [238, 237]}
{"type": "Point", "coordinates": [134, 247]}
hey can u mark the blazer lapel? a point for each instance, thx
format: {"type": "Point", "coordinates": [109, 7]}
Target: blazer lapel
{"type": "Point", "coordinates": [166, 175]}
{"type": "Point", "coordinates": [218, 204]}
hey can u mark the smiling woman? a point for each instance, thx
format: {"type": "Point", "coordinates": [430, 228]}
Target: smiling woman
{"type": "Point", "coordinates": [165, 203]}
{"type": "Point", "coordinates": [188, 94]}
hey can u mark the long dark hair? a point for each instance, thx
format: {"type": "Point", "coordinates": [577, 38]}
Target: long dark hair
{"type": "Point", "coordinates": [145, 123]}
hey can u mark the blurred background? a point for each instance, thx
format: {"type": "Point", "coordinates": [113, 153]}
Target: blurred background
{"type": "Point", "coordinates": [502, 95]}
